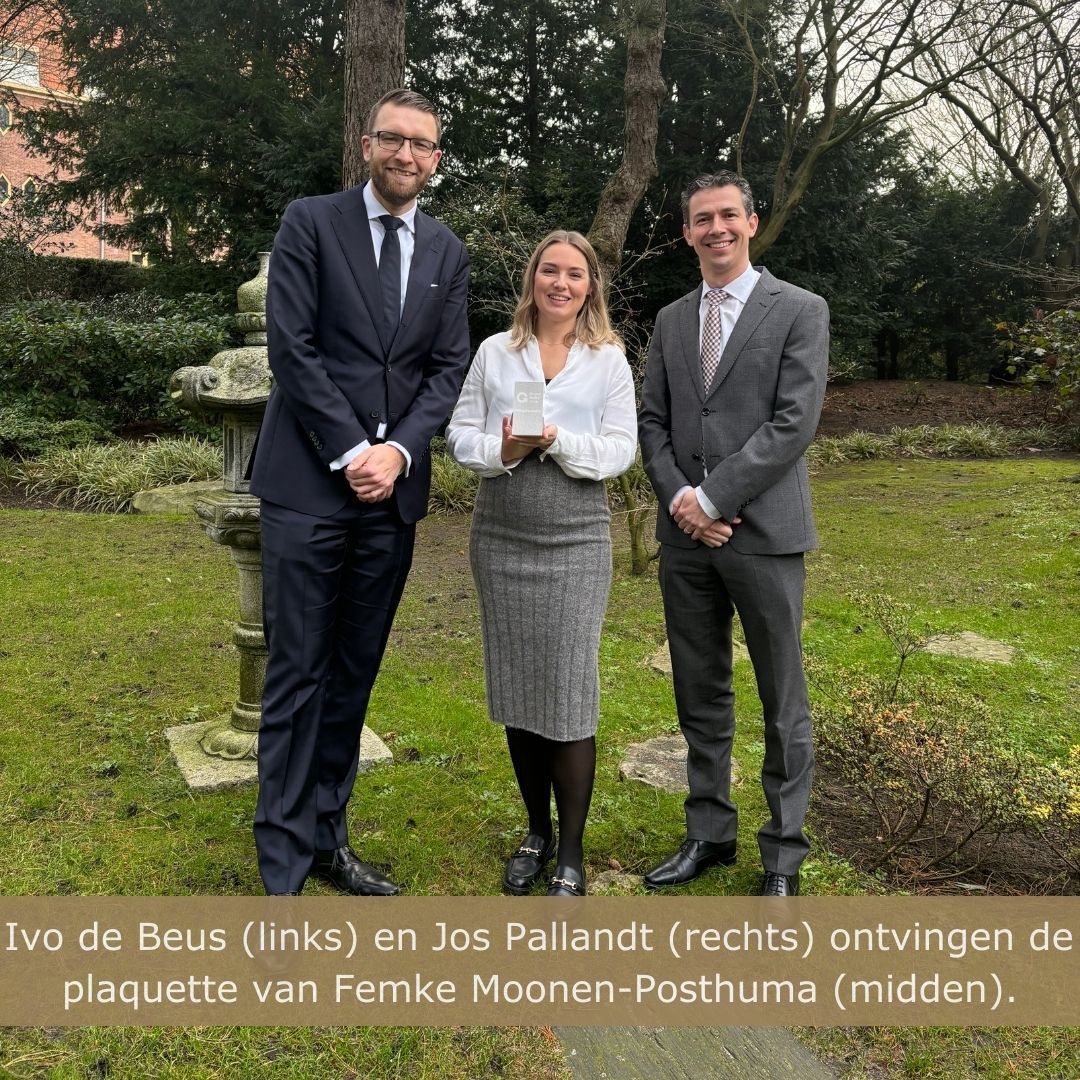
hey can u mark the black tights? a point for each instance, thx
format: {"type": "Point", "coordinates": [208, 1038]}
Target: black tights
{"type": "Point", "coordinates": [542, 765]}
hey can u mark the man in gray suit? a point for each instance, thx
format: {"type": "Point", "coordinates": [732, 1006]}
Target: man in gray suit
{"type": "Point", "coordinates": [733, 391]}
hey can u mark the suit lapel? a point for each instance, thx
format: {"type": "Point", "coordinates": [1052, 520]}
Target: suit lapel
{"type": "Point", "coordinates": [354, 235]}
{"type": "Point", "coordinates": [427, 250]}
{"type": "Point", "coordinates": [690, 337]}
{"type": "Point", "coordinates": [757, 307]}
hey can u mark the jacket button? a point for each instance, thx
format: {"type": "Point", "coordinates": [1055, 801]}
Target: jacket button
{"type": "Point", "coordinates": [695, 457]}
{"type": "Point", "coordinates": [705, 412]}
{"type": "Point", "coordinates": [373, 414]}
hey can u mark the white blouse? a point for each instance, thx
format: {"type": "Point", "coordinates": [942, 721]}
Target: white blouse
{"type": "Point", "coordinates": [591, 402]}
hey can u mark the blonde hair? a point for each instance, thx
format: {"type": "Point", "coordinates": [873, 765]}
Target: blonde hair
{"type": "Point", "coordinates": [593, 327]}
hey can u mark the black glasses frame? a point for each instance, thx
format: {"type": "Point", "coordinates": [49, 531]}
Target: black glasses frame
{"type": "Point", "coordinates": [391, 140]}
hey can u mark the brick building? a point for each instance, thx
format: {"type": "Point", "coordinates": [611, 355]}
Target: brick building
{"type": "Point", "coordinates": [32, 72]}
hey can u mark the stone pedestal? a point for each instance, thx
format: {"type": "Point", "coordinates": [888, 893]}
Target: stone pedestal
{"type": "Point", "coordinates": [236, 384]}
{"type": "Point", "coordinates": [232, 518]}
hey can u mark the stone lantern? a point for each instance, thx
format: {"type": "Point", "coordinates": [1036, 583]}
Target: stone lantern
{"type": "Point", "coordinates": [236, 384]}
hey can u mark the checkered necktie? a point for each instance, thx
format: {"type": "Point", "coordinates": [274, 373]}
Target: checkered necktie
{"type": "Point", "coordinates": [712, 337]}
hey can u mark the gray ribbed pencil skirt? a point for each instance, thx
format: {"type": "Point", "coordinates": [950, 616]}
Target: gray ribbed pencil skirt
{"type": "Point", "coordinates": [540, 552]}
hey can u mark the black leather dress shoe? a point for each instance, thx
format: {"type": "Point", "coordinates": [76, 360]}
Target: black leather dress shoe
{"type": "Point", "coordinates": [690, 861]}
{"type": "Point", "coordinates": [525, 865]}
{"type": "Point", "coordinates": [343, 869]}
{"type": "Point", "coordinates": [779, 884]}
{"type": "Point", "coordinates": [567, 881]}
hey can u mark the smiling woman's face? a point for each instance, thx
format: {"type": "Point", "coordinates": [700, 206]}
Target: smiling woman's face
{"type": "Point", "coordinates": [561, 283]}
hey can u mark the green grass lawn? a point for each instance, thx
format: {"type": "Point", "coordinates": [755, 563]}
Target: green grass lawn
{"type": "Point", "coordinates": [115, 628]}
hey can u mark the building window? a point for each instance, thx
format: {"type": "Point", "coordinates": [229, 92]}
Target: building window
{"type": "Point", "coordinates": [5, 118]}
{"type": "Point", "coordinates": [139, 258]}
{"type": "Point", "coordinates": [20, 65]}
{"type": "Point", "coordinates": [30, 187]}
{"type": "Point", "coordinates": [5, 190]}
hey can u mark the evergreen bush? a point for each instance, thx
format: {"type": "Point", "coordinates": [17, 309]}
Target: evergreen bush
{"type": "Point", "coordinates": [69, 360]}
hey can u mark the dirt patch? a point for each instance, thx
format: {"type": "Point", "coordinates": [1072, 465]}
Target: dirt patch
{"type": "Point", "coordinates": [879, 405]}
{"type": "Point", "coordinates": [14, 498]}
{"type": "Point", "coordinates": [991, 864]}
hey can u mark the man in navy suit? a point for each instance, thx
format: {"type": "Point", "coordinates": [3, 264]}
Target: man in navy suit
{"type": "Point", "coordinates": [368, 344]}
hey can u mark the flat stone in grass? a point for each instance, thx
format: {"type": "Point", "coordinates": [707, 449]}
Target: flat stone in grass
{"type": "Point", "coordinates": [661, 763]}
{"type": "Point", "coordinates": [971, 646]}
{"type": "Point", "coordinates": [173, 498]}
{"type": "Point", "coordinates": [689, 1053]}
{"type": "Point", "coordinates": [660, 661]}
{"type": "Point", "coordinates": [615, 883]}
{"type": "Point", "coordinates": [205, 773]}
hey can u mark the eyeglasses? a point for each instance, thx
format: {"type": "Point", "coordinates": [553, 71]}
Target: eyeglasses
{"type": "Point", "coordinates": [391, 140]}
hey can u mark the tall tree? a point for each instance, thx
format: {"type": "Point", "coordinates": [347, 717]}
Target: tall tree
{"type": "Point", "coordinates": [643, 94]}
{"type": "Point", "coordinates": [204, 117]}
{"type": "Point", "coordinates": [374, 64]}
{"type": "Point", "coordinates": [1018, 93]}
{"type": "Point", "coordinates": [533, 89]}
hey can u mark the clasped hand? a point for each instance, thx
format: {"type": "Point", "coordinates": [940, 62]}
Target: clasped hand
{"type": "Point", "coordinates": [371, 474]}
{"type": "Point", "coordinates": [689, 516]}
{"type": "Point", "coordinates": [516, 447]}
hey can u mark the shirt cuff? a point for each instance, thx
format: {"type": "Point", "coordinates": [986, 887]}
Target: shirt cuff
{"type": "Point", "coordinates": [706, 504]}
{"type": "Point", "coordinates": [404, 453]}
{"type": "Point", "coordinates": [340, 462]}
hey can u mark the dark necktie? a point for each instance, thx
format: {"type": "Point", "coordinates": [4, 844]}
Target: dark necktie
{"type": "Point", "coordinates": [390, 273]}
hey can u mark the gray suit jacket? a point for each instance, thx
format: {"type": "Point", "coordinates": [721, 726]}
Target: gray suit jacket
{"type": "Point", "coordinates": [751, 429]}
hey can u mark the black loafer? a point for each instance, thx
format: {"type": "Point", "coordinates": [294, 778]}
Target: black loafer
{"type": "Point", "coordinates": [526, 864]}
{"type": "Point", "coordinates": [773, 884]}
{"type": "Point", "coordinates": [347, 872]}
{"type": "Point", "coordinates": [567, 881]}
{"type": "Point", "coordinates": [689, 862]}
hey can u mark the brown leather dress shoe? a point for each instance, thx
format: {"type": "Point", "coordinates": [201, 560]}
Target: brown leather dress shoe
{"type": "Point", "coordinates": [689, 862]}
{"type": "Point", "coordinates": [773, 884]}
{"type": "Point", "coordinates": [346, 871]}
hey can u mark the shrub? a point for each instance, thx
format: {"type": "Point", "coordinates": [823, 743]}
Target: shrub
{"type": "Point", "coordinates": [907, 442]}
{"type": "Point", "coordinates": [453, 487]}
{"type": "Point", "coordinates": [22, 434]}
{"type": "Point", "coordinates": [932, 767]}
{"type": "Point", "coordinates": [970, 440]}
{"type": "Point", "coordinates": [107, 478]}
{"type": "Point", "coordinates": [1046, 349]}
{"type": "Point", "coordinates": [72, 363]}
{"type": "Point", "coordinates": [947, 440]}
{"type": "Point", "coordinates": [928, 777]}
{"type": "Point", "coordinates": [1050, 797]}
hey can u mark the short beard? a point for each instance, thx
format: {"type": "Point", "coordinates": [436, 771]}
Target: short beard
{"type": "Point", "coordinates": [389, 197]}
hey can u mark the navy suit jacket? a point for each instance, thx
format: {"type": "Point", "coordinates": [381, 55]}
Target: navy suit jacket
{"type": "Point", "coordinates": [336, 374]}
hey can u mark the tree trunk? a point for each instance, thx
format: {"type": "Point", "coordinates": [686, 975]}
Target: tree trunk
{"type": "Point", "coordinates": [534, 179]}
{"type": "Point", "coordinates": [637, 516]}
{"type": "Point", "coordinates": [374, 64]}
{"type": "Point", "coordinates": [952, 361]}
{"type": "Point", "coordinates": [643, 94]}
{"type": "Point", "coordinates": [888, 367]}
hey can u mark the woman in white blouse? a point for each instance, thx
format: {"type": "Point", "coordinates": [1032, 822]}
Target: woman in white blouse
{"type": "Point", "coordinates": [540, 548]}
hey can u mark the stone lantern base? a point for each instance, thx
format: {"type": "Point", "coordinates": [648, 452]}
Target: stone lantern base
{"type": "Point", "coordinates": [205, 773]}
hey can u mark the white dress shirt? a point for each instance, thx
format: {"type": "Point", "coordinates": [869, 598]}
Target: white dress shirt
{"type": "Point", "coordinates": [738, 292]}
{"type": "Point", "coordinates": [591, 402]}
{"type": "Point", "coordinates": [407, 244]}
